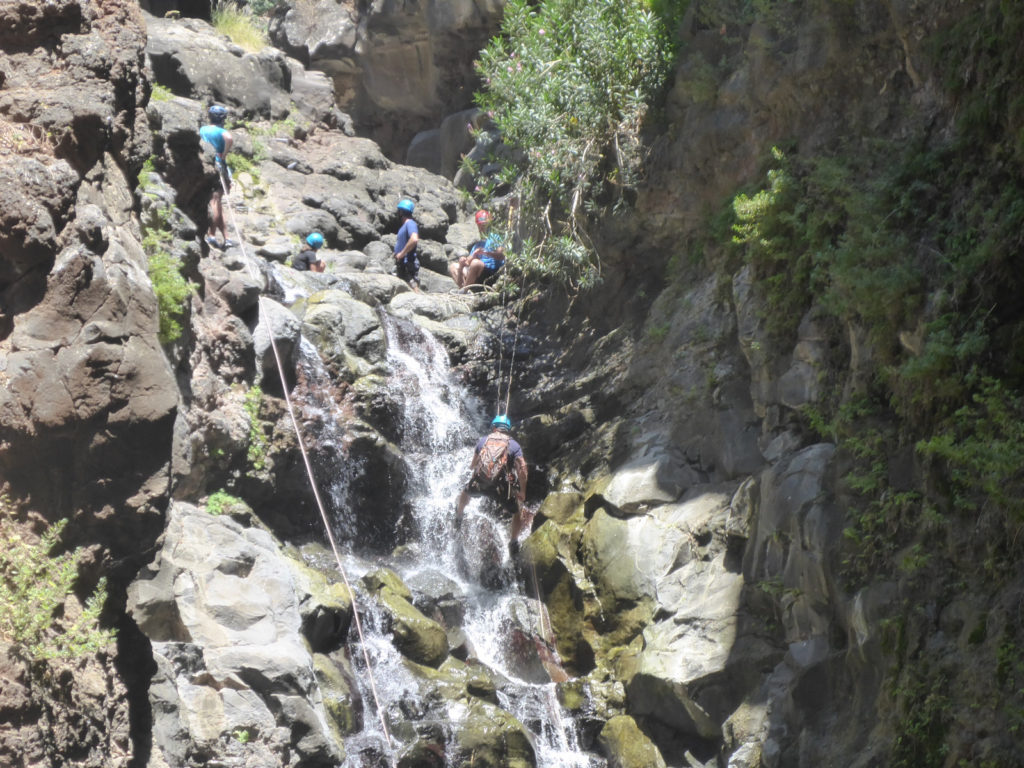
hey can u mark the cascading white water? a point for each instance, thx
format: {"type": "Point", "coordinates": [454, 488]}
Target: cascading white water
{"type": "Point", "coordinates": [440, 425]}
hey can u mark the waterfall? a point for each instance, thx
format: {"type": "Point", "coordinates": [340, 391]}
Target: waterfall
{"type": "Point", "coordinates": [439, 427]}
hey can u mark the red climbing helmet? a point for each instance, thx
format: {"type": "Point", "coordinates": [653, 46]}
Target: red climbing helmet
{"type": "Point", "coordinates": [482, 217]}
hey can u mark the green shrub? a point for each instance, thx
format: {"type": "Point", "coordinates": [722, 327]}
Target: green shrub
{"type": "Point", "coordinates": [35, 586]}
{"type": "Point", "coordinates": [220, 502]}
{"type": "Point", "coordinates": [160, 93]}
{"type": "Point", "coordinates": [172, 291]}
{"type": "Point", "coordinates": [569, 83]}
{"type": "Point", "coordinates": [258, 445]}
{"type": "Point", "coordinates": [239, 24]}
{"type": "Point", "coordinates": [981, 448]}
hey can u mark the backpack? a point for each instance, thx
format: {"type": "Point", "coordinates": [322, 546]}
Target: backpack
{"type": "Point", "coordinates": [493, 464]}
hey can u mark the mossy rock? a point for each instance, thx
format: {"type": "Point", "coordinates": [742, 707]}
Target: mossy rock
{"type": "Point", "coordinates": [326, 609]}
{"type": "Point", "coordinates": [415, 636]}
{"type": "Point", "coordinates": [562, 508]}
{"type": "Point", "coordinates": [489, 737]}
{"type": "Point", "coordinates": [626, 746]}
{"type": "Point", "coordinates": [376, 580]}
{"type": "Point", "coordinates": [341, 702]}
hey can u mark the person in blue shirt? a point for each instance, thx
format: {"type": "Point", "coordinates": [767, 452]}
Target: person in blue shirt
{"type": "Point", "coordinates": [218, 137]}
{"type": "Point", "coordinates": [407, 263]}
{"type": "Point", "coordinates": [486, 256]}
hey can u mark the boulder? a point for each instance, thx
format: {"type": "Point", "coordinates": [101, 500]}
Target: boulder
{"type": "Point", "coordinates": [221, 608]}
{"type": "Point", "coordinates": [420, 639]}
{"type": "Point", "coordinates": [276, 338]}
{"type": "Point", "coordinates": [626, 746]}
{"type": "Point", "coordinates": [192, 59]}
{"type": "Point", "coordinates": [492, 738]}
{"type": "Point", "coordinates": [335, 323]}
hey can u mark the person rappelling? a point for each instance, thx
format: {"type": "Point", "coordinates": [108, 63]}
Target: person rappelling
{"type": "Point", "coordinates": [498, 469]}
{"type": "Point", "coordinates": [218, 137]}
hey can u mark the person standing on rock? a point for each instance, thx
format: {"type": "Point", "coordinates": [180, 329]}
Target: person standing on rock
{"type": "Point", "coordinates": [498, 468]}
{"type": "Point", "coordinates": [218, 137]}
{"type": "Point", "coordinates": [309, 260]}
{"type": "Point", "coordinates": [486, 255]}
{"type": "Point", "coordinates": [407, 263]}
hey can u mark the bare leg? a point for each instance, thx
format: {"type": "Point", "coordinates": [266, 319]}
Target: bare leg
{"type": "Point", "coordinates": [217, 215]}
{"type": "Point", "coordinates": [460, 507]}
{"type": "Point", "coordinates": [473, 272]}
{"type": "Point", "coordinates": [517, 523]}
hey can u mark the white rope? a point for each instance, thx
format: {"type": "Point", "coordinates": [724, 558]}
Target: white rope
{"type": "Point", "coordinates": [313, 485]}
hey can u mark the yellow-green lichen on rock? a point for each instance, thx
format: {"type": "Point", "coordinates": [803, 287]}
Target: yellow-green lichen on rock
{"type": "Point", "coordinates": [626, 746]}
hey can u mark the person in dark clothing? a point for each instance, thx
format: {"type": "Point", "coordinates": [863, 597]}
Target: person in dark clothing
{"type": "Point", "coordinates": [407, 263]}
{"type": "Point", "coordinates": [498, 469]}
{"type": "Point", "coordinates": [309, 260]}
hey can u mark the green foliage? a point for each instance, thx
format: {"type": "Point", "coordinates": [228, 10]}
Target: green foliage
{"type": "Point", "coordinates": [980, 59]}
{"type": "Point", "coordinates": [981, 447]}
{"type": "Point", "coordinates": [1010, 678]}
{"type": "Point", "coordinates": [148, 168]}
{"type": "Point", "coordinates": [172, 291]}
{"type": "Point", "coordinates": [239, 163]}
{"type": "Point", "coordinates": [160, 93]}
{"type": "Point", "coordinates": [924, 708]}
{"type": "Point", "coordinates": [569, 83]}
{"type": "Point", "coordinates": [220, 502]}
{"type": "Point", "coordinates": [258, 445]}
{"type": "Point", "coordinates": [240, 24]}
{"type": "Point", "coordinates": [35, 587]}
{"type": "Point", "coordinates": [262, 7]}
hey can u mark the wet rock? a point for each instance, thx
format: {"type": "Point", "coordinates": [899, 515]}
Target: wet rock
{"type": "Point", "coordinates": [493, 737]}
{"type": "Point", "coordinates": [342, 702]}
{"type": "Point", "coordinates": [421, 639]}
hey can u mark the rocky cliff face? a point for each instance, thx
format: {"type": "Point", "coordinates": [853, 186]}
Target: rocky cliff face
{"type": "Point", "coordinates": [688, 536]}
{"type": "Point", "coordinates": [87, 388]}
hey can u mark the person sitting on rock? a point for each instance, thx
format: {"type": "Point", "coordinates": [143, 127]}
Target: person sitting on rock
{"type": "Point", "coordinates": [498, 469]}
{"type": "Point", "coordinates": [221, 140]}
{"type": "Point", "coordinates": [407, 263]}
{"type": "Point", "coordinates": [309, 260]}
{"type": "Point", "coordinates": [486, 256]}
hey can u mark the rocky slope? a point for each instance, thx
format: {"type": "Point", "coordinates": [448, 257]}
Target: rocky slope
{"type": "Point", "coordinates": [689, 533]}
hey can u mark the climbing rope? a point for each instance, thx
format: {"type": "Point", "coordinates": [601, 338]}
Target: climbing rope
{"type": "Point", "coordinates": [312, 481]}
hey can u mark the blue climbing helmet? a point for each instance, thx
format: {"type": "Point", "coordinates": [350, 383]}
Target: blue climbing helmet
{"type": "Point", "coordinates": [218, 114]}
{"type": "Point", "coordinates": [405, 204]}
{"type": "Point", "coordinates": [315, 240]}
{"type": "Point", "coordinates": [501, 421]}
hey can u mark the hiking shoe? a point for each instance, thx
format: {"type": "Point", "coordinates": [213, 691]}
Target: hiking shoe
{"type": "Point", "coordinates": [513, 549]}
{"type": "Point", "coordinates": [212, 241]}
{"type": "Point", "coordinates": [230, 244]}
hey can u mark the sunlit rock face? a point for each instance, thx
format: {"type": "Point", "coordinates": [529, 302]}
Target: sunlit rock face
{"type": "Point", "coordinates": [398, 68]}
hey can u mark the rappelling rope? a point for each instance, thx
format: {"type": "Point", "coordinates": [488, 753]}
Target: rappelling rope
{"type": "Point", "coordinates": [515, 342]}
{"type": "Point", "coordinates": [312, 482]}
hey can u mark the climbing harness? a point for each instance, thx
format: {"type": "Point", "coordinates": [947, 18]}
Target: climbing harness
{"type": "Point", "coordinates": [316, 492]}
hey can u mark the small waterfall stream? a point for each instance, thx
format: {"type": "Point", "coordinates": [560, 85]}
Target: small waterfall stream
{"type": "Point", "coordinates": [439, 426]}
